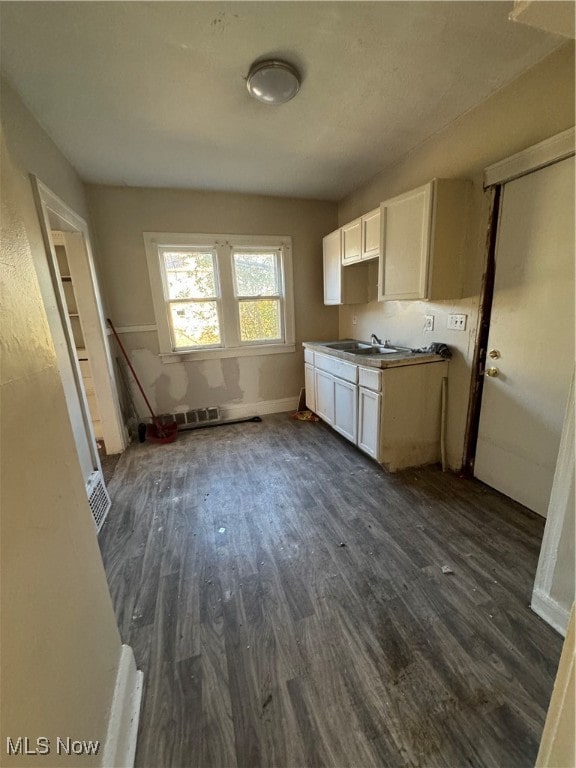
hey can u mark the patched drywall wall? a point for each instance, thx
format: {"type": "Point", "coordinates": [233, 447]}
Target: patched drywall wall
{"type": "Point", "coordinates": [60, 643]}
{"type": "Point", "coordinates": [270, 382]}
{"type": "Point", "coordinates": [536, 106]}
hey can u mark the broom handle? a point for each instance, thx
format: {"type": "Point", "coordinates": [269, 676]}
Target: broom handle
{"type": "Point", "coordinates": [132, 369]}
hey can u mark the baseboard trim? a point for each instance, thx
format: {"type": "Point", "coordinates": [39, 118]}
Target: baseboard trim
{"type": "Point", "coordinates": [120, 746]}
{"type": "Point", "coordinates": [552, 613]}
{"type": "Point", "coordinates": [258, 409]}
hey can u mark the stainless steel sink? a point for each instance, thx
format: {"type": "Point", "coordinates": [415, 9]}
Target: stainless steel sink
{"type": "Point", "coordinates": [360, 347]}
{"type": "Point", "coordinates": [375, 351]}
{"type": "Point", "coordinates": [348, 346]}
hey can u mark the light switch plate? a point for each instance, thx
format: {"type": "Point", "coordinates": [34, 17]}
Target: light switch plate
{"type": "Point", "coordinates": [428, 322]}
{"type": "Point", "coordinates": [457, 322]}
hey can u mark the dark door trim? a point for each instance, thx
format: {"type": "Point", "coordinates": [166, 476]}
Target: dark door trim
{"type": "Point", "coordinates": [484, 314]}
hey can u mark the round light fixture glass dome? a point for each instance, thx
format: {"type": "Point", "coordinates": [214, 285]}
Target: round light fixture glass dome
{"type": "Point", "coordinates": [273, 81]}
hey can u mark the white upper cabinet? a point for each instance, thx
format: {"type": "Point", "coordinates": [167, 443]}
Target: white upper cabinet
{"type": "Point", "coordinates": [371, 233]}
{"type": "Point", "coordinates": [422, 237]}
{"type": "Point", "coordinates": [361, 238]}
{"type": "Point", "coordinates": [331, 245]}
{"type": "Point", "coordinates": [351, 242]}
{"type": "Point", "coordinates": [341, 286]}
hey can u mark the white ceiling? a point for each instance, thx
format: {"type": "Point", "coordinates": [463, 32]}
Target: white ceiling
{"type": "Point", "coordinates": [153, 93]}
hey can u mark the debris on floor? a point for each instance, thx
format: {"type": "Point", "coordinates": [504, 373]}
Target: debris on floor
{"type": "Point", "coordinates": [305, 416]}
{"type": "Point", "coordinates": [342, 544]}
{"type": "Point", "coordinates": [267, 701]}
{"type": "Point", "coordinates": [446, 569]}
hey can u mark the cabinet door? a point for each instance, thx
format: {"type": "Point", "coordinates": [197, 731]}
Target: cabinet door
{"type": "Point", "coordinates": [406, 221]}
{"type": "Point", "coordinates": [332, 268]}
{"type": "Point", "coordinates": [351, 242]}
{"type": "Point", "coordinates": [345, 409]}
{"type": "Point", "coordinates": [310, 384]}
{"type": "Point", "coordinates": [369, 411]}
{"type": "Point", "coordinates": [371, 235]}
{"type": "Point", "coordinates": [324, 395]}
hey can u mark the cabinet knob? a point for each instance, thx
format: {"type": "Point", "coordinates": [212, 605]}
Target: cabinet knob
{"type": "Point", "coordinates": [492, 372]}
{"type": "Point", "coordinates": [494, 354]}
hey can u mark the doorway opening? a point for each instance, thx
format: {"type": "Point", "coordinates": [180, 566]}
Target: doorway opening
{"type": "Point", "coordinates": [76, 322]}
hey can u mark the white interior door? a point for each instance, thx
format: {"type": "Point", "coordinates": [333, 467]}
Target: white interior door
{"type": "Point", "coordinates": [531, 337]}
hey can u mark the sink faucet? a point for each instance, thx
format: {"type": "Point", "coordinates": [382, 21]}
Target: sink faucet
{"type": "Point", "coordinates": [375, 339]}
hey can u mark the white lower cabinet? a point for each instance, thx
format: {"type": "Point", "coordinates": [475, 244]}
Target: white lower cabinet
{"type": "Point", "coordinates": [369, 407]}
{"type": "Point", "coordinates": [310, 386]}
{"type": "Point", "coordinates": [345, 409]}
{"type": "Point", "coordinates": [324, 395]}
{"type": "Point", "coordinates": [393, 414]}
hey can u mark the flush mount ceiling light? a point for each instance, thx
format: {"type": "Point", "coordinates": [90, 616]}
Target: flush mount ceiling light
{"type": "Point", "coordinates": [273, 81]}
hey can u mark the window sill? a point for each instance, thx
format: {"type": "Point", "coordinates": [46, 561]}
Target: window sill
{"type": "Point", "coordinates": [213, 354]}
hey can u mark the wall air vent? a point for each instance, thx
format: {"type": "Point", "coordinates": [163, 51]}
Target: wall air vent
{"type": "Point", "coordinates": [193, 418]}
{"type": "Point", "coordinates": [98, 499]}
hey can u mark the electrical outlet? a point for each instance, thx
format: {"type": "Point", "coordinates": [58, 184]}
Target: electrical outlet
{"type": "Point", "coordinates": [428, 322]}
{"type": "Point", "coordinates": [457, 322]}
{"type": "Point", "coordinates": [354, 319]}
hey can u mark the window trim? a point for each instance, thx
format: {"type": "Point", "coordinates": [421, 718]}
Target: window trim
{"type": "Point", "coordinates": [216, 298]}
{"type": "Point", "coordinates": [279, 296]}
{"type": "Point", "coordinates": [231, 346]}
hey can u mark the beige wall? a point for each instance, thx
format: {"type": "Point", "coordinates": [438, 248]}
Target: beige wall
{"type": "Point", "coordinates": [33, 150]}
{"type": "Point", "coordinates": [120, 216]}
{"type": "Point", "coordinates": [60, 643]}
{"type": "Point", "coordinates": [537, 105]}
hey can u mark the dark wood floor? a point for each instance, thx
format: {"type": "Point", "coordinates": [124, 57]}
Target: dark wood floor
{"type": "Point", "coordinates": [285, 600]}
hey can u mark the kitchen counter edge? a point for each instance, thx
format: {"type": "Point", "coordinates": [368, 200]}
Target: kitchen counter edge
{"type": "Point", "coordinates": [391, 360]}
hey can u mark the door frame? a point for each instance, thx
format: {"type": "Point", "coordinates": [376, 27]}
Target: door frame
{"type": "Point", "coordinates": [89, 303]}
{"type": "Point", "coordinates": [548, 152]}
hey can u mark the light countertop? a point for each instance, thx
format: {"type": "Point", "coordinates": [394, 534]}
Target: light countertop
{"type": "Point", "coordinates": [386, 360]}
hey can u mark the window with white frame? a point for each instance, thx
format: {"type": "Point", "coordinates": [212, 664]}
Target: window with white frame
{"type": "Point", "coordinates": [221, 295]}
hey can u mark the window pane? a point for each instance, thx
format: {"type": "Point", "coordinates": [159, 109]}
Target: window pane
{"type": "Point", "coordinates": [259, 320]}
{"type": "Point", "coordinates": [256, 274]}
{"type": "Point", "coordinates": [195, 323]}
{"type": "Point", "coordinates": [189, 274]}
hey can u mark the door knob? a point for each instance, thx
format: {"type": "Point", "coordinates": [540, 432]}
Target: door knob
{"type": "Point", "coordinates": [494, 354]}
{"type": "Point", "coordinates": [492, 372]}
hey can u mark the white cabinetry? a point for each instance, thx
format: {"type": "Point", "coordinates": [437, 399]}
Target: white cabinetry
{"type": "Point", "coordinates": [336, 393]}
{"type": "Point", "coordinates": [392, 414]}
{"type": "Point", "coordinates": [361, 238]}
{"type": "Point", "coordinates": [332, 252]}
{"type": "Point", "coordinates": [422, 242]}
{"type": "Point", "coordinates": [351, 241]}
{"type": "Point", "coordinates": [369, 406]}
{"type": "Point", "coordinates": [341, 286]}
{"type": "Point", "coordinates": [345, 409]}
{"type": "Point", "coordinates": [324, 395]}
{"type": "Point", "coordinates": [310, 385]}
{"type": "Point", "coordinates": [369, 410]}
{"type": "Point", "coordinates": [371, 234]}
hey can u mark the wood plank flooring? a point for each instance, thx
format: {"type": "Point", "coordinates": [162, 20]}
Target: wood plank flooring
{"type": "Point", "coordinates": [285, 600]}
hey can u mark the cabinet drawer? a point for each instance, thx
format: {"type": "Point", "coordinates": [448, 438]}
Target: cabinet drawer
{"type": "Point", "coordinates": [308, 356]}
{"type": "Point", "coordinates": [336, 367]}
{"type": "Point", "coordinates": [370, 378]}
